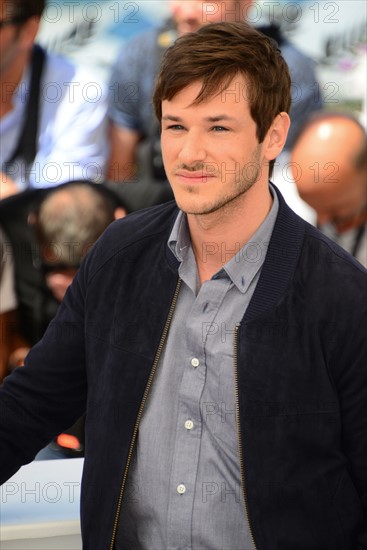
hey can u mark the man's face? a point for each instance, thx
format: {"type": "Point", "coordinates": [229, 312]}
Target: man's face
{"type": "Point", "coordinates": [59, 280]}
{"type": "Point", "coordinates": [339, 197]}
{"type": "Point", "coordinates": [9, 33]}
{"type": "Point", "coordinates": [17, 37]}
{"type": "Point", "coordinates": [190, 15]}
{"type": "Point", "coordinates": [58, 274]}
{"type": "Point", "coordinates": [326, 173]}
{"type": "Point", "coordinates": [210, 151]}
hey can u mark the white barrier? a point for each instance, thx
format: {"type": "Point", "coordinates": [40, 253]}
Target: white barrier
{"type": "Point", "coordinates": [39, 507]}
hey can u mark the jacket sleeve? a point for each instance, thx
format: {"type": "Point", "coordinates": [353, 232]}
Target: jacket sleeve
{"type": "Point", "coordinates": [48, 394]}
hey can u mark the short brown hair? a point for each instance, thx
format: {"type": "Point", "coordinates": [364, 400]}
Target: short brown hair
{"type": "Point", "coordinates": [24, 8]}
{"type": "Point", "coordinates": [215, 54]}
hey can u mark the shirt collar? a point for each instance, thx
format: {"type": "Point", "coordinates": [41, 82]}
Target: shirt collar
{"type": "Point", "coordinates": [179, 240]}
{"type": "Point", "coordinates": [244, 265]}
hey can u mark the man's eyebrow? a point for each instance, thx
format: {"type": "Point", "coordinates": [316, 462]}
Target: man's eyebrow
{"type": "Point", "coordinates": [172, 118]}
{"type": "Point", "coordinates": [216, 118]}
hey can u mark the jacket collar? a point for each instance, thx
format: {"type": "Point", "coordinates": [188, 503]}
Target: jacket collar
{"type": "Point", "coordinates": [280, 262]}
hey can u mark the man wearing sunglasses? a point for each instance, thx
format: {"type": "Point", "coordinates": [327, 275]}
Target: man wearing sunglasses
{"type": "Point", "coordinates": [52, 114]}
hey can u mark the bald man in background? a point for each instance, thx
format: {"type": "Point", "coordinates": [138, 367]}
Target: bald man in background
{"type": "Point", "coordinates": [330, 170]}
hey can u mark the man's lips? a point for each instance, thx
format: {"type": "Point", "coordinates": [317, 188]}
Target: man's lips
{"type": "Point", "coordinates": [194, 176]}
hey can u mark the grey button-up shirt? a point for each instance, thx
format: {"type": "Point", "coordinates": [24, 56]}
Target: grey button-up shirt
{"type": "Point", "coordinates": [184, 488]}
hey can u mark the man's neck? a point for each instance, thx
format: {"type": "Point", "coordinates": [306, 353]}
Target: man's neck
{"type": "Point", "coordinates": [218, 236]}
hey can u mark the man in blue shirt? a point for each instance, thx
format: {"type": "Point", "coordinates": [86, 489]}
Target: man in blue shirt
{"type": "Point", "coordinates": [53, 125]}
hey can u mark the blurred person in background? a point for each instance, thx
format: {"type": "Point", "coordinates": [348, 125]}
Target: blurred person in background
{"type": "Point", "coordinates": [130, 109]}
{"type": "Point", "coordinates": [329, 162]}
{"type": "Point", "coordinates": [67, 223]}
{"type": "Point", "coordinates": [63, 223]}
{"type": "Point", "coordinates": [10, 338]}
{"type": "Point", "coordinates": [8, 302]}
{"type": "Point", "coordinates": [52, 114]}
{"type": "Point", "coordinates": [53, 129]}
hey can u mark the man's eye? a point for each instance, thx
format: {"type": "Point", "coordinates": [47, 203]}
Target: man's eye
{"type": "Point", "coordinates": [220, 129]}
{"type": "Point", "coordinates": [175, 127]}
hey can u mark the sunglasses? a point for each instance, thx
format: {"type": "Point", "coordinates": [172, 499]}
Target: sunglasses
{"type": "Point", "coordinates": [58, 267]}
{"type": "Point", "coordinates": [14, 21]}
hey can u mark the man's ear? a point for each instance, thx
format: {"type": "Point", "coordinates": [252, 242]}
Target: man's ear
{"type": "Point", "coordinates": [276, 136]}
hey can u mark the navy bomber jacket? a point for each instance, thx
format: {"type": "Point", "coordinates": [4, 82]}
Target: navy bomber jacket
{"type": "Point", "coordinates": [301, 381]}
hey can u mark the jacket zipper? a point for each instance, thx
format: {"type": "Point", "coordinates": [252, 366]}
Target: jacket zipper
{"type": "Point", "coordinates": [141, 408]}
{"type": "Point", "coordinates": [240, 447]}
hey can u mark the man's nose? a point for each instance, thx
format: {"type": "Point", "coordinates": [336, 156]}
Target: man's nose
{"type": "Point", "coordinates": [193, 149]}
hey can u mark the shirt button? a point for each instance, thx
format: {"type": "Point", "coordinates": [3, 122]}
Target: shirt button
{"type": "Point", "coordinates": [189, 424]}
{"type": "Point", "coordinates": [195, 362]}
{"type": "Point", "coordinates": [181, 489]}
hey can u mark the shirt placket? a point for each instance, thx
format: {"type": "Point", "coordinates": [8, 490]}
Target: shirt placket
{"type": "Point", "coordinates": [189, 420]}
